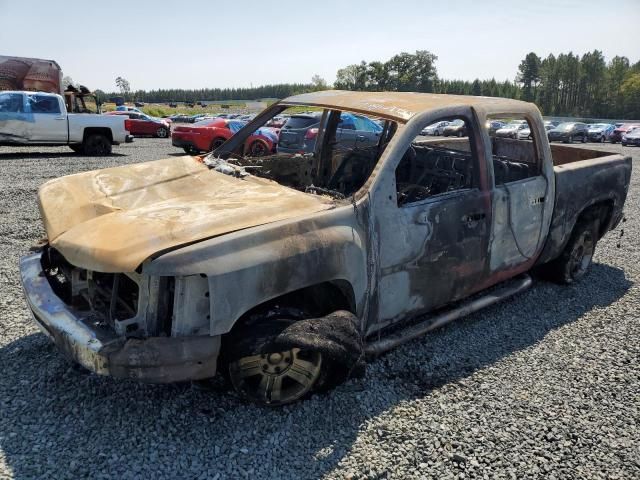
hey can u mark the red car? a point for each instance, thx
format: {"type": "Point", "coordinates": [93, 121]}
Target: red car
{"type": "Point", "coordinates": [209, 134]}
{"type": "Point", "coordinates": [616, 135]}
{"type": "Point", "coordinates": [142, 124]}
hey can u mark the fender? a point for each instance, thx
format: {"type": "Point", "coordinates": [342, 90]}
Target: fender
{"type": "Point", "coordinates": [249, 267]}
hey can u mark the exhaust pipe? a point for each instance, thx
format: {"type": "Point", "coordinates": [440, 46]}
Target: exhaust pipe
{"type": "Point", "coordinates": [519, 284]}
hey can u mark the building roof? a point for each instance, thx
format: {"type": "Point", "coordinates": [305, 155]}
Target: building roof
{"type": "Point", "coordinates": [401, 106]}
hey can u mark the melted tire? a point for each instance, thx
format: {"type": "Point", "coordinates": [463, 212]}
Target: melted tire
{"type": "Point", "coordinates": [577, 256]}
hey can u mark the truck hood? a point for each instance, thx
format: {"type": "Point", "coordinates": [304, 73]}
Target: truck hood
{"type": "Point", "coordinates": [111, 220]}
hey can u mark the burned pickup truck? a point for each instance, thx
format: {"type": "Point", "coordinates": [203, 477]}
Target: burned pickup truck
{"type": "Point", "coordinates": [284, 271]}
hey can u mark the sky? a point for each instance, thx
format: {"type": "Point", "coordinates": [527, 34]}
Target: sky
{"type": "Point", "coordinates": [240, 43]}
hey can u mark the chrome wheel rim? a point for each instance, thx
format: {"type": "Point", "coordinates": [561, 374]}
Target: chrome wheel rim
{"type": "Point", "coordinates": [161, 132]}
{"type": "Point", "coordinates": [276, 378]}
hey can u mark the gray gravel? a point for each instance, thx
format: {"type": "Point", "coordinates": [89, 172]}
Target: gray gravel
{"type": "Point", "coordinates": [543, 386]}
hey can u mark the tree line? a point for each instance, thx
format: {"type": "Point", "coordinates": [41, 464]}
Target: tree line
{"type": "Point", "coordinates": [214, 94]}
{"type": "Point", "coordinates": [563, 85]}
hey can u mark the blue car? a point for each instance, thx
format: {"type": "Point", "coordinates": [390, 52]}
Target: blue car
{"type": "Point", "coordinates": [300, 132]}
{"type": "Point", "coordinates": [600, 132]}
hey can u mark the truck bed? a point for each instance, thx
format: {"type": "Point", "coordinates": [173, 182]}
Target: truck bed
{"type": "Point", "coordinates": [585, 177]}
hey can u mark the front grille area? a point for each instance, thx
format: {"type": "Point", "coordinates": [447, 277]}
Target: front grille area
{"type": "Point", "coordinates": [109, 296]}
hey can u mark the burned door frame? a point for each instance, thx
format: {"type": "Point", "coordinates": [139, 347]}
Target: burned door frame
{"type": "Point", "coordinates": [405, 264]}
{"type": "Point", "coordinates": [537, 193]}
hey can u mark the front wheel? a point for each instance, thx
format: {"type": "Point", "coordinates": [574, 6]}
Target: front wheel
{"type": "Point", "coordinates": [264, 372]}
{"type": "Point", "coordinates": [162, 132]}
{"type": "Point", "coordinates": [459, 134]}
{"type": "Point", "coordinates": [602, 139]}
{"type": "Point", "coordinates": [624, 144]}
{"type": "Point", "coordinates": [276, 378]}
{"type": "Point", "coordinates": [584, 138]}
{"type": "Point", "coordinates": [570, 139]}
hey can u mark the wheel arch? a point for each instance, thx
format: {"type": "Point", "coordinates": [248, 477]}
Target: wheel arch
{"type": "Point", "coordinates": [250, 268]}
{"type": "Point", "coordinates": [98, 131]}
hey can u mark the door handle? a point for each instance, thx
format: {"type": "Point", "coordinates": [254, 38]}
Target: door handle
{"type": "Point", "coordinates": [59, 118]}
{"type": "Point", "coordinates": [361, 137]}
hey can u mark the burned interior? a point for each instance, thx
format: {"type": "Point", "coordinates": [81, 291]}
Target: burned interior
{"type": "Point", "coordinates": [337, 164]}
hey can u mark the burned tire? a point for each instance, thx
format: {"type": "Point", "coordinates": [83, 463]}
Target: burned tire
{"type": "Point", "coordinates": [277, 361]}
{"type": "Point", "coordinates": [264, 373]}
{"type": "Point", "coordinates": [576, 258]}
{"type": "Point", "coordinates": [96, 145]}
{"type": "Point", "coordinates": [258, 148]}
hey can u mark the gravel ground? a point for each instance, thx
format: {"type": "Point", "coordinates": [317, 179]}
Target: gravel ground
{"type": "Point", "coordinates": [544, 385]}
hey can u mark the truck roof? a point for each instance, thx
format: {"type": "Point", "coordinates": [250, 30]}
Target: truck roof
{"type": "Point", "coordinates": [402, 106]}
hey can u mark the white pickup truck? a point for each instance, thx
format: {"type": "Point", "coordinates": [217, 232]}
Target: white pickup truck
{"type": "Point", "coordinates": [42, 119]}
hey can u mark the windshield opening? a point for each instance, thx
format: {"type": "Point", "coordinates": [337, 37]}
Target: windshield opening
{"type": "Point", "coordinates": [314, 150]}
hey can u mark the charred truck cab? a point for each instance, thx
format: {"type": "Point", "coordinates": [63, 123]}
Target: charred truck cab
{"type": "Point", "coordinates": [286, 270]}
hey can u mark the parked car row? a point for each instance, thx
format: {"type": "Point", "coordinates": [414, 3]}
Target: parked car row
{"type": "Point", "coordinates": [292, 134]}
{"type": "Point", "coordinates": [567, 132]}
{"type": "Point", "coordinates": [209, 134]}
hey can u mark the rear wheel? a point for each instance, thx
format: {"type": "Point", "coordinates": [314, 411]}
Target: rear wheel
{"type": "Point", "coordinates": [258, 148]}
{"type": "Point", "coordinates": [576, 258]}
{"type": "Point", "coordinates": [602, 139]}
{"type": "Point", "coordinates": [570, 139]}
{"type": "Point", "coordinates": [584, 138]}
{"type": "Point", "coordinates": [624, 144]}
{"type": "Point", "coordinates": [216, 143]}
{"type": "Point", "coordinates": [460, 133]}
{"type": "Point", "coordinates": [96, 145]}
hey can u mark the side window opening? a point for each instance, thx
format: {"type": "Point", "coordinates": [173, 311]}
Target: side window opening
{"type": "Point", "coordinates": [513, 149]}
{"type": "Point", "coordinates": [11, 103]}
{"type": "Point", "coordinates": [43, 104]}
{"type": "Point", "coordinates": [433, 165]}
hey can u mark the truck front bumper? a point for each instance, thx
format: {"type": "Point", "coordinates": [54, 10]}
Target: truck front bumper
{"type": "Point", "coordinates": [99, 349]}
